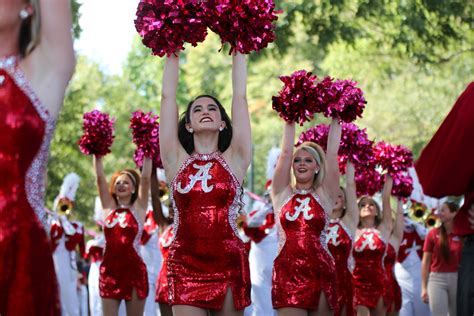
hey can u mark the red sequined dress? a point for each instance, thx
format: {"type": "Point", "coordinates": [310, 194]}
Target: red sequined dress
{"type": "Point", "coordinates": [122, 269]}
{"type": "Point", "coordinates": [162, 282]}
{"type": "Point", "coordinates": [393, 293]}
{"type": "Point", "coordinates": [369, 273]}
{"type": "Point", "coordinates": [340, 240]}
{"type": "Point", "coordinates": [27, 278]}
{"type": "Point", "coordinates": [207, 256]}
{"type": "Point", "coordinates": [304, 267]}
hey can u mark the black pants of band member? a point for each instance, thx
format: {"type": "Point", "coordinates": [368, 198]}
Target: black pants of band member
{"type": "Point", "coordinates": [465, 292]}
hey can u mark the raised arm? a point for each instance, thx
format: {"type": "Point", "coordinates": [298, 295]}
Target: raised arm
{"type": "Point", "coordinates": [242, 137]}
{"type": "Point", "coordinates": [169, 142]}
{"type": "Point", "coordinates": [105, 198]}
{"type": "Point", "coordinates": [53, 60]}
{"type": "Point", "coordinates": [144, 188]}
{"type": "Point", "coordinates": [387, 222]}
{"type": "Point", "coordinates": [352, 211]}
{"type": "Point", "coordinates": [282, 176]}
{"type": "Point", "coordinates": [156, 202]}
{"type": "Point", "coordinates": [399, 222]}
{"type": "Point", "coordinates": [331, 180]}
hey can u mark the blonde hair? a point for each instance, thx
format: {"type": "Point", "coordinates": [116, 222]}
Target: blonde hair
{"type": "Point", "coordinates": [319, 156]}
{"type": "Point", "coordinates": [30, 30]}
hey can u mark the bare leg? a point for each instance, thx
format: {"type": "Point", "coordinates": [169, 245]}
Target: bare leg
{"type": "Point", "coordinates": [110, 306]}
{"type": "Point", "coordinates": [323, 307]}
{"type": "Point", "coordinates": [165, 310]}
{"type": "Point", "coordinates": [135, 306]}
{"type": "Point", "coordinates": [228, 308]}
{"type": "Point", "coordinates": [362, 310]}
{"type": "Point", "coordinates": [380, 309]}
{"type": "Point", "coordinates": [290, 311]}
{"type": "Point", "coordinates": [186, 310]}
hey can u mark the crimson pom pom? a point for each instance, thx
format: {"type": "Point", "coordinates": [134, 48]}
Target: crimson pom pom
{"type": "Point", "coordinates": [341, 99]}
{"type": "Point", "coordinates": [165, 25]}
{"type": "Point", "coordinates": [368, 180]}
{"type": "Point", "coordinates": [318, 134]}
{"type": "Point", "coordinates": [355, 144]}
{"type": "Point", "coordinates": [392, 158]}
{"type": "Point", "coordinates": [98, 134]}
{"type": "Point", "coordinates": [402, 185]}
{"type": "Point", "coordinates": [247, 25]}
{"type": "Point", "coordinates": [296, 101]}
{"type": "Point", "coordinates": [145, 131]}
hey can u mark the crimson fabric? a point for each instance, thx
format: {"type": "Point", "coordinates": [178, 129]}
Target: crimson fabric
{"type": "Point", "coordinates": [446, 166]}
{"type": "Point", "coordinates": [410, 241]}
{"type": "Point", "coordinates": [340, 246]}
{"type": "Point", "coordinates": [149, 227]}
{"type": "Point", "coordinates": [369, 273]}
{"type": "Point", "coordinates": [73, 241]}
{"type": "Point", "coordinates": [162, 294]}
{"type": "Point", "coordinates": [207, 256]}
{"type": "Point", "coordinates": [122, 269]}
{"type": "Point", "coordinates": [304, 267]}
{"type": "Point", "coordinates": [393, 293]}
{"type": "Point", "coordinates": [437, 262]}
{"type": "Point", "coordinates": [95, 254]}
{"type": "Point", "coordinates": [56, 232]}
{"type": "Point", "coordinates": [27, 279]}
{"type": "Point", "coordinates": [257, 234]}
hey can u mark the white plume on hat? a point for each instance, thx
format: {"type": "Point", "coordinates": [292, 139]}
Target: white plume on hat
{"type": "Point", "coordinates": [69, 186]}
{"type": "Point", "coordinates": [98, 210]}
{"type": "Point", "coordinates": [419, 196]}
{"type": "Point", "coordinates": [272, 159]}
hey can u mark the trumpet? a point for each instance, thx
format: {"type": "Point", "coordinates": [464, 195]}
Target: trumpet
{"type": "Point", "coordinates": [418, 211]}
{"type": "Point", "coordinates": [65, 206]}
{"type": "Point", "coordinates": [432, 221]}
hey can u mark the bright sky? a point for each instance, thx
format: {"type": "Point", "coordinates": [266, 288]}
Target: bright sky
{"type": "Point", "coordinates": [107, 31]}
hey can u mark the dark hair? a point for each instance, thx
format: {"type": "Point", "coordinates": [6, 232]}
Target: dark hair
{"type": "Point", "coordinates": [135, 180]}
{"type": "Point", "coordinates": [186, 138]}
{"type": "Point", "coordinates": [378, 217]}
{"type": "Point", "coordinates": [443, 234]}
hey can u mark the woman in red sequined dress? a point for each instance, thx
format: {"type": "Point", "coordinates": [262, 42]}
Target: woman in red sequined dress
{"type": "Point", "coordinates": [393, 293]}
{"type": "Point", "coordinates": [123, 274]}
{"type": "Point", "coordinates": [369, 250]}
{"type": "Point", "coordinates": [36, 64]}
{"type": "Point", "coordinates": [205, 164]}
{"type": "Point", "coordinates": [341, 231]}
{"type": "Point", "coordinates": [304, 274]}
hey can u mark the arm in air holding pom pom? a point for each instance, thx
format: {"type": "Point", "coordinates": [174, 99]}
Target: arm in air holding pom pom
{"type": "Point", "coordinates": [171, 150]}
{"type": "Point", "coordinates": [105, 198]}
{"type": "Point", "coordinates": [399, 227]}
{"type": "Point", "coordinates": [282, 176]}
{"type": "Point", "coordinates": [141, 204]}
{"type": "Point", "coordinates": [239, 153]}
{"type": "Point", "coordinates": [351, 218]}
{"type": "Point", "coordinates": [156, 202]}
{"type": "Point", "coordinates": [330, 184]}
{"type": "Point", "coordinates": [386, 225]}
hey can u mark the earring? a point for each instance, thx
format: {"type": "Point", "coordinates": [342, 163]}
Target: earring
{"type": "Point", "coordinates": [191, 130]}
{"type": "Point", "coordinates": [24, 14]}
{"type": "Point", "coordinates": [221, 129]}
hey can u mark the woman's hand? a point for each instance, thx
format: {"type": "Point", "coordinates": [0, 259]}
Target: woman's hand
{"type": "Point", "coordinates": [424, 296]}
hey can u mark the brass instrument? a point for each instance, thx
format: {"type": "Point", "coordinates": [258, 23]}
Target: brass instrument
{"type": "Point", "coordinates": [65, 206]}
{"type": "Point", "coordinates": [418, 211]}
{"type": "Point", "coordinates": [432, 221]}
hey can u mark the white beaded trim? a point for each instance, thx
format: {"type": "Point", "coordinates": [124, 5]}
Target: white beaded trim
{"type": "Point", "coordinates": [34, 182]}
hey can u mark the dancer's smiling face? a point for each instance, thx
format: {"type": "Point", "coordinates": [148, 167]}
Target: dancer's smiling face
{"type": "Point", "coordinates": [304, 166]}
{"type": "Point", "coordinates": [205, 115]}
